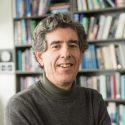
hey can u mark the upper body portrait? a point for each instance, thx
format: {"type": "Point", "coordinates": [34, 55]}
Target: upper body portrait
{"type": "Point", "coordinates": [58, 45]}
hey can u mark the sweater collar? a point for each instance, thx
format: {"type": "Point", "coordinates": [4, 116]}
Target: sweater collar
{"type": "Point", "coordinates": [53, 90]}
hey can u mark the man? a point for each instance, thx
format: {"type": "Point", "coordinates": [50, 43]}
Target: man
{"type": "Point", "coordinates": [58, 45]}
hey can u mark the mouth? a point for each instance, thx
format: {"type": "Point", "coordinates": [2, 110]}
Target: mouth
{"type": "Point", "coordinates": [65, 65]}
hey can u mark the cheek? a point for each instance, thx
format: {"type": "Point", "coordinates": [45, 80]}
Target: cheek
{"type": "Point", "coordinates": [48, 60]}
{"type": "Point", "coordinates": [78, 57]}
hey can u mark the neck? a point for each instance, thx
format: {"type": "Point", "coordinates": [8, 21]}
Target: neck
{"type": "Point", "coordinates": [61, 85]}
{"type": "Point", "coordinates": [65, 88]}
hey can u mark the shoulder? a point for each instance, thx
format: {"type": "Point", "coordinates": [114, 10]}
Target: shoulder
{"type": "Point", "coordinates": [23, 97]}
{"type": "Point", "coordinates": [93, 101]}
{"type": "Point", "coordinates": [88, 91]}
{"type": "Point", "coordinates": [22, 105]}
{"type": "Point", "coordinates": [90, 94]}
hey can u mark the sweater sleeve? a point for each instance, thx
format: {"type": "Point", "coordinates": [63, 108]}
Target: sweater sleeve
{"type": "Point", "coordinates": [19, 112]}
{"type": "Point", "coordinates": [100, 111]}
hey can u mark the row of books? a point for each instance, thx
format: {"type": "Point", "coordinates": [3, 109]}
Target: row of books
{"type": "Point", "coordinates": [26, 61]}
{"type": "Point", "coordinates": [103, 27]}
{"type": "Point", "coordinates": [30, 8]}
{"type": "Point", "coordinates": [89, 60]}
{"type": "Point", "coordinates": [109, 56]}
{"type": "Point", "coordinates": [116, 113]}
{"type": "Point", "coordinates": [59, 8]}
{"type": "Point", "coordinates": [25, 82]}
{"type": "Point", "coordinates": [111, 86]}
{"type": "Point", "coordinates": [23, 31]}
{"type": "Point", "coordinates": [84, 5]}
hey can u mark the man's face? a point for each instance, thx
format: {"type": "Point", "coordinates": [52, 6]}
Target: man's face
{"type": "Point", "coordinates": [62, 57]}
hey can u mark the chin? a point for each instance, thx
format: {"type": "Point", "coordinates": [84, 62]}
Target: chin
{"type": "Point", "coordinates": [67, 80]}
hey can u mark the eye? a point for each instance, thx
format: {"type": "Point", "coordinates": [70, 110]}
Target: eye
{"type": "Point", "coordinates": [74, 45]}
{"type": "Point", "coordinates": [55, 46]}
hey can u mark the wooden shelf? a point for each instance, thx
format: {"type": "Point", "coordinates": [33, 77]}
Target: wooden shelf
{"type": "Point", "coordinates": [28, 73]}
{"type": "Point", "coordinates": [97, 71]}
{"type": "Point", "coordinates": [22, 46]}
{"type": "Point", "coordinates": [100, 11]}
{"type": "Point", "coordinates": [118, 101]}
{"type": "Point", "coordinates": [106, 41]}
{"type": "Point", "coordinates": [31, 17]}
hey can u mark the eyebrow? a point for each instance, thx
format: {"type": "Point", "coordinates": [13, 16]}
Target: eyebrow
{"type": "Point", "coordinates": [70, 41]}
{"type": "Point", "coordinates": [55, 42]}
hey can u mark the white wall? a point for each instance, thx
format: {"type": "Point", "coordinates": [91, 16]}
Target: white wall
{"type": "Point", "coordinates": [7, 81]}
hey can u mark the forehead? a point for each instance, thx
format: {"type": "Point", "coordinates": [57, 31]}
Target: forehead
{"type": "Point", "coordinates": [61, 34]}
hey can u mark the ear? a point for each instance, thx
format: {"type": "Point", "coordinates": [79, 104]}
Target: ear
{"type": "Point", "coordinates": [39, 58]}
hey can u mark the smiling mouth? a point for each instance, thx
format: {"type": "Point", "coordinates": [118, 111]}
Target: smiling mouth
{"type": "Point", "coordinates": [66, 65]}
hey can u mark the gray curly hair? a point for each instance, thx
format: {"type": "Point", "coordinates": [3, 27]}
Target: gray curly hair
{"type": "Point", "coordinates": [52, 22]}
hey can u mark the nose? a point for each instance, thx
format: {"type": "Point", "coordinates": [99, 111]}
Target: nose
{"type": "Point", "coordinates": [65, 52]}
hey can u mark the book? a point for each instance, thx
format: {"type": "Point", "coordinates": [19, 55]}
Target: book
{"type": "Point", "coordinates": [102, 90]}
{"type": "Point", "coordinates": [111, 3]}
{"type": "Point", "coordinates": [92, 21]}
{"type": "Point", "coordinates": [108, 86]}
{"type": "Point", "coordinates": [93, 56]}
{"type": "Point", "coordinates": [123, 36]}
{"type": "Point", "coordinates": [107, 60]}
{"type": "Point", "coordinates": [20, 8]}
{"type": "Point", "coordinates": [121, 114]}
{"type": "Point", "coordinates": [113, 26]}
{"type": "Point", "coordinates": [88, 59]}
{"type": "Point", "coordinates": [117, 77]}
{"type": "Point", "coordinates": [59, 6]}
{"type": "Point", "coordinates": [118, 58]}
{"type": "Point", "coordinates": [95, 29]}
{"type": "Point", "coordinates": [113, 57]}
{"type": "Point", "coordinates": [122, 86]}
{"type": "Point", "coordinates": [82, 81]}
{"type": "Point", "coordinates": [74, 5]}
{"type": "Point", "coordinates": [100, 58]}
{"type": "Point", "coordinates": [85, 23]}
{"type": "Point", "coordinates": [121, 51]}
{"type": "Point", "coordinates": [17, 32]}
{"type": "Point", "coordinates": [120, 3]}
{"type": "Point", "coordinates": [62, 10]}
{"type": "Point", "coordinates": [102, 4]}
{"type": "Point", "coordinates": [28, 10]}
{"type": "Point", "coordinates": [120, 26]}
{"type": "Point", "coordinates": [35, 7]}
{"type": "Point", "coordinates": [84, 4]}
{"type": "Point", "coordinates": [102, 19]}
{"type": "Point", "coordinates": [43, 7]}
{"type": "Point", "coordinates": [107, 26]}
{"type": "Point", "coordinates": [23, 32]}
{"type": "Point", "coordinates": [113, 86]}
{"type": "Point", "coordinates": [19, 60]}
{"type": "Point", "coordinates": [112, 112]}
{"type": "Point", "coordinates": [90, 5]}
{"type": "Point", "coordinates": [96, 4]}
{"type": "Point", "coordinates": [79, 5]}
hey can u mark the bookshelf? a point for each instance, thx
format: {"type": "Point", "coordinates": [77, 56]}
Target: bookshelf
{"type": "Point", "coordinates": [111, 69]}
{"type": "Point", "coordinates": [107, 76]}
